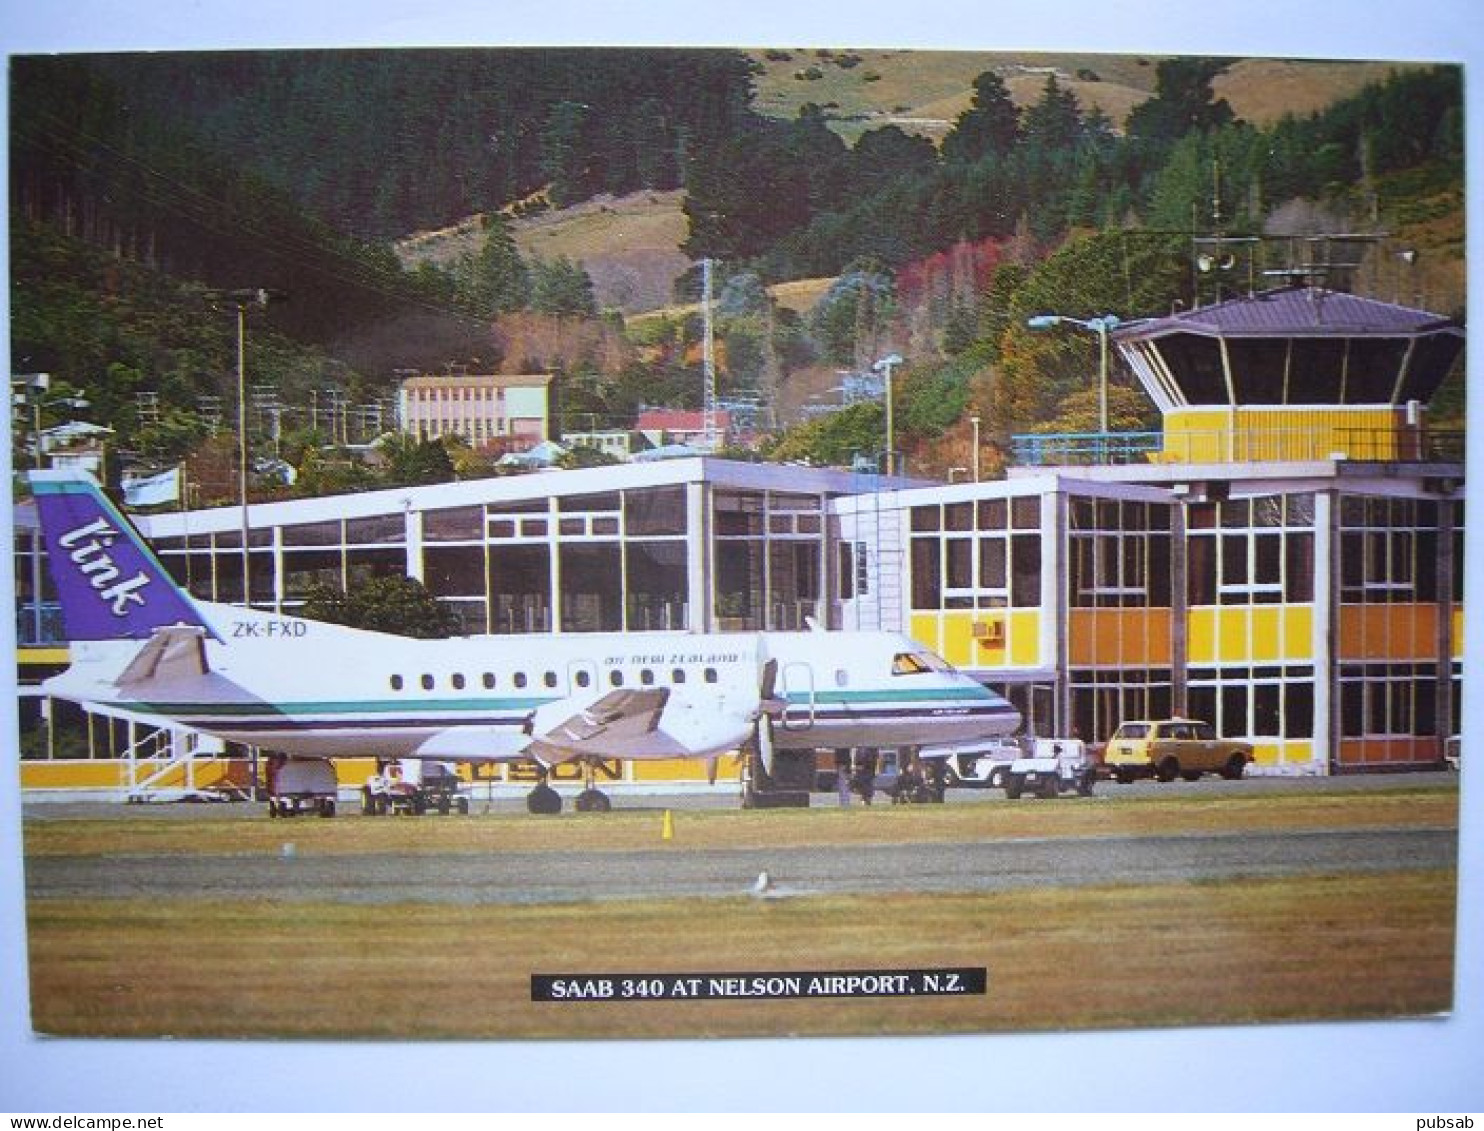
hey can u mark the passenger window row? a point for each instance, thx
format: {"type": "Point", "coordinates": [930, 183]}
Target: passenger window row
{"type": "Point", "coordinates": [581, 679]}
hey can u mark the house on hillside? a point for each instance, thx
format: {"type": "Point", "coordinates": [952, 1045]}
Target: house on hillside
{"type": "Point", "coordinates": [661, 426]}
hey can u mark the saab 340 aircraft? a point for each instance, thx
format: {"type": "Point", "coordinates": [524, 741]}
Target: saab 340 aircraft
{"type": "Point", "coordinates": [307, 689]}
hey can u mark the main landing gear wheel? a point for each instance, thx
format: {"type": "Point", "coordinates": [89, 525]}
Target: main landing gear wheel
{"type": "Point", "coordinates": [592, 800]}
{"type": "Point", "coordinates": [544, 800]}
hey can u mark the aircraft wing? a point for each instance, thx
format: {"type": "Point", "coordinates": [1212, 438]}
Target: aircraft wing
{"type": "Point", "coordinates": [651, 723]}
{"type": "Point", "coordinates": [622, 724]}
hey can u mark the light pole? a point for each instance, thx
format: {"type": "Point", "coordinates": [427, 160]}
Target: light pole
{"type": "Point", "coordinates": [30, 390]}
{"type": "Point", "coordinates": [974, 420]}
{"type": "Point", "coordinates": [240, 300]}
{"type": "Point", "coordinates": [885, 366]}
{"type": "Point", "coordinates": [1100, 327]}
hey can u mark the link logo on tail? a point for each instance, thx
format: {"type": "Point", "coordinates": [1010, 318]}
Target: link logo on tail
{"type": "Point", "coordinates": [110, 586]}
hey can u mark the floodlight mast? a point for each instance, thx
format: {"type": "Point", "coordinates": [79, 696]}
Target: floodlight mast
{"type": "Point", "coordinates": [1100, 327]}
{"type": "Point", "coordinates": [885, 366]}
{"type": "Point", "coordinates": [240, 300]}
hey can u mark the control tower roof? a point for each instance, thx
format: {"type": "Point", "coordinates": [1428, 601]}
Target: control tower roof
{"type": "Point", "coordinates": [1293, 346]}
{"type": "Point", "coordinates": [1296, 312]}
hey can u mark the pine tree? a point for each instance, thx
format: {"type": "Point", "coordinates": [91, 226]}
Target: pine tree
{"type": "Point", "coordinates": [990, 127]}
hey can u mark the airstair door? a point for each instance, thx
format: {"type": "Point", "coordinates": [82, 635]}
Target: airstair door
{"type": "Point", "coordinates": [797, 691]}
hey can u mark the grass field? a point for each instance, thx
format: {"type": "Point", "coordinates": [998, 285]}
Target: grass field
{"type": "Point", "coordinates": [1108, 815]}
{"type": "Point", "coordinates": [1116, 955]}
{"type": "Point", "coordinates": [1249, 951]}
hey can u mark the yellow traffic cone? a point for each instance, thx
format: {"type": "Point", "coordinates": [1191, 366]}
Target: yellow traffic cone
{"type": "Point", "coordinates": [667, 829]}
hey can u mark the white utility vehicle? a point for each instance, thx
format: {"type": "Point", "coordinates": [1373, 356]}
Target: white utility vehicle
{"type": "Point", "coordinates": [984, 766]}
{"type": "Point", "coordinates": [1057, 765]}
{"type": "Point", "coordinates": [301, 785]}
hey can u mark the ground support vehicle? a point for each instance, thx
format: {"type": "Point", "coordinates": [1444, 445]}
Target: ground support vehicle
{"type": "Point", "coordinates": [412, 789]}
{"type": "Point", "coordinates": [301, 785]}
{"type": "Point", "coordinates": [984, 766]}
{"type": "Point", "coordinates": [1171, 748]}
{"type": "Point", "coordinates": [1056, 766]}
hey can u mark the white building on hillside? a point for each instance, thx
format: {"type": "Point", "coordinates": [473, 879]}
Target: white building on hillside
{"type": "Point", "coordinates": [482, 408]}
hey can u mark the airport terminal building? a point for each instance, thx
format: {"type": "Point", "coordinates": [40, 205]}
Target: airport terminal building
{"type": "Point", "coordinates": [1283, 559]}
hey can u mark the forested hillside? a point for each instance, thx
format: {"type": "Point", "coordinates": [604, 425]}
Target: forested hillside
{"type": "Point", "coordinates": [382, 143]}
{"type": "Point", "coordinates": [138, 182]}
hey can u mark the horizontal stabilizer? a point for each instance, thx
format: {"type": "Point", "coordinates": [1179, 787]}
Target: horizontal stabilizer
{"type": "Point", "coordinates": [178, 652]}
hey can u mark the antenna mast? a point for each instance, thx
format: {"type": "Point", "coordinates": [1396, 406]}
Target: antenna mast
{"type": "Point", "coordinates": [708, 356]}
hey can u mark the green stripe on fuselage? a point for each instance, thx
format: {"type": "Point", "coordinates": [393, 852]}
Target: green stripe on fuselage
{"type": "Point", "coordinates": [337, 707]}
{"type": "Point", "coordinates": [340, 707]}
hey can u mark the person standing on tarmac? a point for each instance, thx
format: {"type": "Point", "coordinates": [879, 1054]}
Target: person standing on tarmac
{"type": "Point", "coordinates": [842, 777]}
{"type": "Point", "coordinates": [864, 778]}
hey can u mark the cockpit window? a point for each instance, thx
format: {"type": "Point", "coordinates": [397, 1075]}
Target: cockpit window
{"type": "Point", "coordinates": [917, 663]}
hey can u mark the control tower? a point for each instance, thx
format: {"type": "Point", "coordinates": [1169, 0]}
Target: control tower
{"type": "Point", "coordinates": [1295, 373]}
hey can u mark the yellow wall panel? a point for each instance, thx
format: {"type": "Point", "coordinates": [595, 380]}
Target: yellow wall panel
{"type": "Point", "coordinates": [1267, 628]}
{"type": "Point", "coordinates": [958, 639]}
{"type": "Point", "coordinates": [1458, 634]}
{"type": "Point", "coordinates": [72, 775]}
{"type": "Point", "coordinates": [923, 628]}
{"type": "Point", "coordinates": [1195, 437]}
{"type": "Point", "coordinates": [1298, 752]}
{"type": "Point", "coordinates": [1200, 640]}
{"type": "Point", "coordinates": [680, 769]}
{"type": "Point", "coordinates": [113, 773]}
{"type": "Point", "coordinates": [1235, 634]}
{"type": "Point", "coordinates": [1298, 632]}
{"type": "Point", "coordinates": [1205, 435]}
{"type": "Point", "coordinates": [1025, 639]}
{"type": "Point", "coordinates": [1280, 753]}
{"type": "Point", "coordinates": [1267, 753]}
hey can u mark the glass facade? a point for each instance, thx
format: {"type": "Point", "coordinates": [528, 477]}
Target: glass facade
{"type": "Point", "coordinates": [1119, 624]}
{"type": "Point", "coordinates": [613, 561]}
{"type": "Point", "coordinates": [1400, 573]}
{"type": "Point", "coordinates": [1251, 589]}
{"type": "Point", "coordinates": [769, 550]}
{"type": "Point", "coordinates": [984, 555]}
{"type": "Point", "coordinates": [1256, 551]}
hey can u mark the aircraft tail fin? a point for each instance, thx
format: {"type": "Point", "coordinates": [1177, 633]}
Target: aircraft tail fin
{"type": "Point", "coordinates": [110, 585]}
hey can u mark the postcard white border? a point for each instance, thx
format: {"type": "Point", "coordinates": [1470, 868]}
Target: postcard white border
{"type": "Point", "coordinates": [1418, 1066]}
